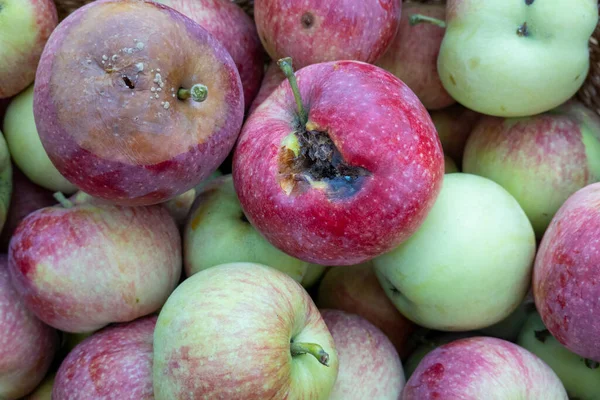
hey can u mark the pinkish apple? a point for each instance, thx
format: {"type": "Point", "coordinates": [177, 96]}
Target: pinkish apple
{"type": "Point", "coordinates": [315, 31]}
{"type": "Point", "coordinates": [273, 78]}
{"type": "Point", "coordinates": [346, 179]}
{"type": "Point", "coordinates": [115, 362]}
{"type": "Point", "coordinates": [454, 124]}
{"type": "Point", "coordinates": [413, 54]}
{"type": "Point", "coordinates": [566, 284]}
{"type": "Point", "coordinates": [136, 103]}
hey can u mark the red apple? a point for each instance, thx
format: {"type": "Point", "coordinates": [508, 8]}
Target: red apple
{"type": "Point", "coordinates": [315, 31]}
{"type": "Point", "coordinates": [566, 277]}
{"type": "Point", "coordinates": [413, 54]}
{"type": "Point", "coordinates": [136, 103]}
{"type": "Point", "coordinates": [346, 181]}
{"type": "Point", "coordinates": [115, 362]}
{"type": "Point", "coordinates": [273, 78]}
{"type": "Point", "coordinates": [454, 124]}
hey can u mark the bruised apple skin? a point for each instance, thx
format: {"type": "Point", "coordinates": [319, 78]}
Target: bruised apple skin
{"type": "Point", "coordinates": [353, 181]}
{"type": "Point", "coordinates": [136, 103]}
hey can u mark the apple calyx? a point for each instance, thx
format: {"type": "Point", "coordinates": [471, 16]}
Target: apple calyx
{"type": "Point", "coordinates": [66, 203]}
{"type": "Point", "coordinates": [197, 92]}
{"type": "Point", "coordinates": [419, 18]}
{"type": "Point", "coordinates": [313, 349]}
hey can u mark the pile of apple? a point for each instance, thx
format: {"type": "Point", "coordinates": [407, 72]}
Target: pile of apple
{"type": "Point", "coordinates": [199, 205]}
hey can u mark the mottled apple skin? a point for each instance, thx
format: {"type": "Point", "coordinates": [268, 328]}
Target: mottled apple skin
{"type": "Point", "coordinates": [369, 365]}
{"type": "Point", "coordinates": [273, 78]}
{"type": "Point", "coordinates": [413, 54]}
{"type": "Point", "coordinates": [314, 31]}
{"type": "Point", "coordinates": [27, 345]}
{"type": "Point", "coordinates": [81, 268]}
{"type": "Point", "coordinates": [135, 146]}
{"type": "Point", "coordinates": [566, 283]}
{"type": "Point", "coordinates": [230, 25]}
{"type": "Point", "coordinates": [483, 368]}
{"type": "Point", "coordinates": [377, 123]}
{"type": "Point", "coordinates": [114, 363]}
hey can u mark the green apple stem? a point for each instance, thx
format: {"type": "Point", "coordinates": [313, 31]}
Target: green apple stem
{"type": "Point", "coordinates": [418, 18]}
{"type": "Point", "coordinates": [310, 348]}
{"type": "Point", "coordinates": [286, 66]}
{"type": "Point", "coordinates": [66, 203]}
{"type": "Point", "coordinates": [198, 93]}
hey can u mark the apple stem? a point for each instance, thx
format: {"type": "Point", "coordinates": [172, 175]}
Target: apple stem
{"type": "Point", "coordinates": [418, 18]}
{"type": "Point", "coordinates": [286, 66]}
{"type": "Point", "coordinates": [198, 93]}
{"type": "Point", "coordinates": [66, 203]}
{"type": "Point", "coordinates": [310, 348]}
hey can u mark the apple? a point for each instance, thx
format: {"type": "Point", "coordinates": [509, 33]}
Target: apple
{"type": "Point", "coordinates": [27, 345]}
{"type": "Point", "coordinates": [272, 79]}
{"type": "Point", "coordinates": [497, 58]}
{"type": "Point", "coordinates": [115, 362]}
{"type": "Point", "coordinates": [313, 273]}
{"type": "Point", "coordinates": [580, 378]}
{"type": "Point", "coordinates": [509, 327]}
{"type": "Point", "coordinates": [26, 26]}
{"type": "Point", "coordinates": [315, 31]}
{"type": "Point", "coordinates": [454, 124]}
{"type": "Point", "coordinates": [81, 265]}
{"type": "Point", "coordinates": [449, 165]}
{"type": "Point", "coordinates": [6, 184]}
{"type": "Point", "coordinates": [369, 365]}
{"type": "Point", "coordinates": [413, 55]}
{"type": "Point", "coordinates": [483, 368]}
{"type": "Point", "coordinates": [230, 25]}
{"type": "Point", "coordinates": [469, 265]}
{"type": "Point", "coordinates": [345, 180]}
{"type": "Point", "coordinates": [356, 290]}
{"type": "Point", "coordinates": [43, 391]}
{"type": "Point", "coordinates": [26, 147]}
{"type": "Point", "coordinates": [250, 331]}
{"type": "Point", "coordinates": [136, 103]}
{"type": "Point", "coordinates": [566, 288]}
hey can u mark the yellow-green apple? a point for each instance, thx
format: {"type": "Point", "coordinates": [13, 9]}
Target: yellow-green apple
{"type": "Point", "coordinates": [44, 389]}
{"type": "Point", "coordinates": [449, 165]}
{"type": "Point", "coordinates": [454, 124]}
{"type": "Point", "coordinates": [369, 364]}
{"type": "Point", "coordinates": [541, 160]}
{"type": "Point", "coordinates": [115, 362]}
{"type": "Point", "coordinates": [231, 26]}
{"type": "Point", "coordinates": [315, 31]}
{"type": "Point", "coordinates": [566, 287]}
{"type": "Point", "coordinates": [413, 55]}
{"type": "Point", "coordinates": [273, 78]}
{"type": "Point", "coordinates": [141, 116]}
{"type": "Point", "coordinates": [516, 58]}
{"type": "Point", "coordinates": [313, 273]}
{"type": "Point", "coordinates": [6, 184]}
{"type": "Point", "coordinates": [356, 290]}
{"type": "Point", "coordinates": [483, 368]}
{"type": "Point", "coordinates": [469, 265]}
{"type": "Point", "coordinates": [509, 327]}
{"type": "Point", "coordinates": [27, 345]}
{"type": "Point", "coordinates": [26, 148]}
{"type": "Point", "coordinates": [340, 165]}
{"type": "Point", "coordinates": [81, 265]}
{"type": "Point", "coordinates": [26, 26]}
{"type": "Point", "coordinates": [249, 331]}
{"type": "Point", "coordinates": [580, 377]}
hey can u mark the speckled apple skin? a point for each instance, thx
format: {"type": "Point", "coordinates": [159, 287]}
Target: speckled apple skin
{"type": "Point", "coordinates": [377, 123]}
{"type": "Point", "coordinates": [340, 30]}
{"type": "Point", "coordinates": [273, 78]}
{"type": "Point", "coordinates": [369, 365]}
{"type": "Point", "coordinates": [566, 283]}
{"type": "Point", "coordinates": [135, 146]}
{"type": "Point", "coordinates": [81, 268]}
{"type": "Point", "coordinates": [483, 368]}
{"type": "Point", "coordinates": [27, 345]}
{"type": "Point", "coordinates": [114, 363]}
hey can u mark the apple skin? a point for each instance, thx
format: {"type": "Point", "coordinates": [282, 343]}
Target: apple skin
{"type": "Point", "coordinates": [454, 124]}
{"type": "Point", "coordinates": [449, 165]}
{"type": "Point", "coordinates": [43, 391]}
{"type": "Point", "coordinates": [488, 64]}
{"type": "Point", "coordinates": [483, 368]}
{"type": "Point", "coordinates": [27, 345]}
{"type": "Point", "coordinates": [231, 26]}
{"type": "Point", "coordinates": [339, 223]}
{"type": "Point", "coordinates": [369, 365]}
{"type": "Point", "coordinates": [134, 146]}
{"type": "Point", "coordinates": [81, 268]}
{"type": "Point", "coordinates": [115, 362]}
{"type": "Point", "coordinates": [469, 265]}
{"type": "Point", "coordinates": [313, 274]}
{"type": "Point", "coordinates": [26, 26]}
{"type": "Point", "coordinates": [6, 183]}
{"type": "Point", "coordinates": [272, 79]}
{"type": "Point", "coordinates": [263, 310]}
{"type": "Point", "coordinates": [413, 55]}
{"type": "Point", "coordinates": [356, 290]}
{"type": "Point", "coordinates": [312, 31]}
{"type": "Point", "coordinates": [509, 327]}
{"type": "Point", "coordinates": [566, 288]}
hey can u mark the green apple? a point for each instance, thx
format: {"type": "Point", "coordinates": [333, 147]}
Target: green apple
{"type": "Point", "coordinates": [509, 327]}
{"type": "Point", "coordinates": [5, 180]}
{"type": "Point", "coordinates": [26, 147]}
{"type": "Point", "coordinates": [513, 58]}
{"type": "Point", "coordinates": [469, 264]}
{"type": "Point", "coordinates": [312, 275]}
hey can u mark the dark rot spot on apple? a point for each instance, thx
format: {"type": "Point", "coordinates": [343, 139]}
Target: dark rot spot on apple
{"type": "Point", "coordinates": [591, 364]}
{"type": "Point", "coordinates": [523, 30]}
{"type": "Point", "coordinates": [542, 335]}
{"type": "Point", "coordinates": [128, 82]}
{"type": "Point", "coordinates": [307, 20]}
{"type": "Point", "coordinates": [529, 2]}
